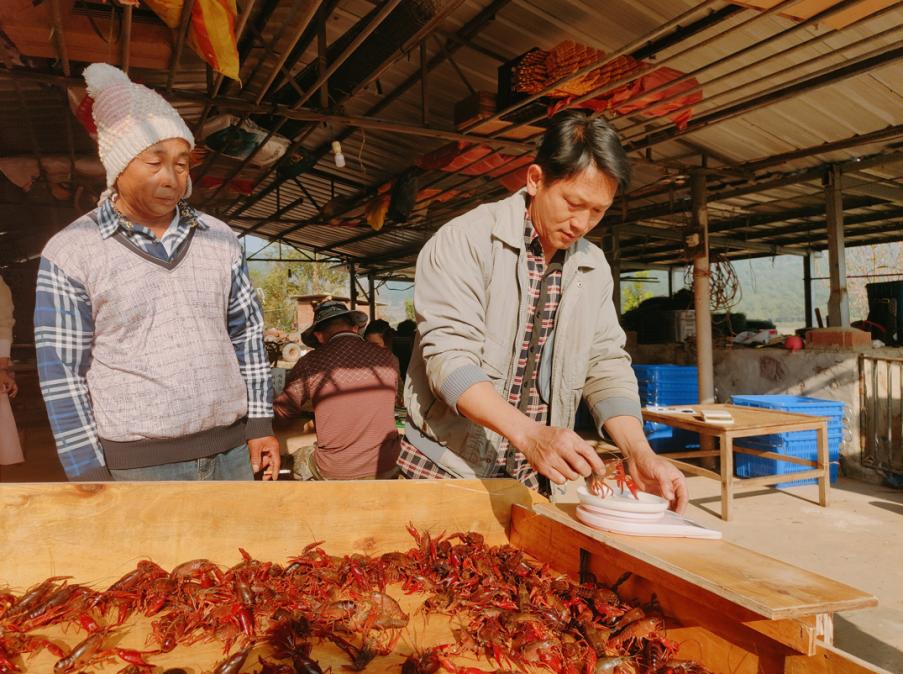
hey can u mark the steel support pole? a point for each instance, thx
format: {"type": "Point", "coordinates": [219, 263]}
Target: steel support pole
{"type": "Point", "coordinates": [371, 295]}
{"type": "Point", "coordinates": [838, 301]}
{"type": "Point", "coordinates": [352, 280]}
{"type": "Point", "coordinates": [807, 287]}
{"type": "Point", "coordinates": [702, 290]}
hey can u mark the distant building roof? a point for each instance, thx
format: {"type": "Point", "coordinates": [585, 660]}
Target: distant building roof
{"type": "Point", "coordinates": [338, 298]}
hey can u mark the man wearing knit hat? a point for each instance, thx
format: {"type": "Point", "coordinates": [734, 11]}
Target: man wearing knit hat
{"type": "Point", "coordinates": [148, 332]}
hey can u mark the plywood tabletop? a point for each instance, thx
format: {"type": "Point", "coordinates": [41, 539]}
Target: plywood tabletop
{"type": "Point", "coordinates": [766, 586]}
{"type": "Point", "coordinates": [97, 532]}
{"type": "Point", "coordinates": [747, 420]}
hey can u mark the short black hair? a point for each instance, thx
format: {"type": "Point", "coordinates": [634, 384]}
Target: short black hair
{"type": "Point", "coordinates": [577, 139]}
{"type": "Point", "coordinates": [378, 326]}
{"type": "Point", "coordinates": [407, 327]}
{"type": "Point", "coordinates": [383, 329]}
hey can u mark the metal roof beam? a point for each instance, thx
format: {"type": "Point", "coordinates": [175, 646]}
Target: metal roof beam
{"type": "Point", "coordinates": [470, 29]}
{"type": "Point", "coordinates": [873, 187]}
{"type": "Point", "coordinates": [281, 111]}
{"type": "Point", "coordinates": [310, 11]}
{"type": "Point", "coordinates": [857, 140]}
{"type": "Point", "coordinates": [676, 234]}
{"type": "Point", "coordinates": [796, 239]}
{"type": "Point", "coordinates": [882, 56]}
{"type": "Point", "coordinates": [181, 35]}
{"type": "Point", "coordinates": [59, 37]}
{"type": "Point", "coordinates": [756, 165]}
{"type": "Point", "coordinates": [748, 64]}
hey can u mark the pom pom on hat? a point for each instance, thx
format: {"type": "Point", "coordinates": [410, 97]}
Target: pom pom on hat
{"type": "Point", "coordinates": [129, 119]}
{"type": "Point", "coordinates": [101, 76]}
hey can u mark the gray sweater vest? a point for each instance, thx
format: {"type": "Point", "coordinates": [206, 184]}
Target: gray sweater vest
{"type": "Point", "coordinates": [164, 379]}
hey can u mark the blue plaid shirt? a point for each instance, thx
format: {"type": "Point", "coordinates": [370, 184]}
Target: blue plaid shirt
{"type": "Point", "coordinates": [64, 334]}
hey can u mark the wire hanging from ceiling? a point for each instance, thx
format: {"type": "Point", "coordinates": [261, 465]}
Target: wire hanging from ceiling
{"type": "Point", "coordinates": [726, 292]}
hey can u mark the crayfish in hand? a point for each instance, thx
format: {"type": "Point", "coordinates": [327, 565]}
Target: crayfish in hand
{"type": "Point", "coordinates": [597, 483]}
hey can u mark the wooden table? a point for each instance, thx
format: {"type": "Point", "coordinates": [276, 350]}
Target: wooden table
{"type": "Point", "coordinates": [748, 421]}
{"type": "Point", "coordinates": [731, 609]}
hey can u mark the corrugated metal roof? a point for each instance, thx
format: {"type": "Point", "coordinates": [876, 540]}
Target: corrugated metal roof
{"type": "Point", "coordinates": [860, 104]}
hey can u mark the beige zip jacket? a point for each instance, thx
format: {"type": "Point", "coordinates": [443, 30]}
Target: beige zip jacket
{"type": "Point", "coordinates": [470, 296]}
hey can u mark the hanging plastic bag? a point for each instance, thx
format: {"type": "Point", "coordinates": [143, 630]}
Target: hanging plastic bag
{"type": "Point", "coordinates": [239, 140]}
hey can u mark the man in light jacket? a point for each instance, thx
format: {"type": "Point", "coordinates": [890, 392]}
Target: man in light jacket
{"type": "Point", "coordinates": [515, 323]}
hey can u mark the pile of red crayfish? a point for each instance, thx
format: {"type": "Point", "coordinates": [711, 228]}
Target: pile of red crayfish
{"type": "Point", "coordinates": [503, 606]}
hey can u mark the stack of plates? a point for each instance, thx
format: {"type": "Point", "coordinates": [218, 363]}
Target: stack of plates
{"type": "Point", "coordinates": [648, 515]}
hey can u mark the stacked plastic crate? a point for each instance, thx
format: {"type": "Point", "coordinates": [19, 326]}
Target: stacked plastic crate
{"type": "Point", "coordinates": [801, 444]}
{"type": "Point", "coordinates": [667, 385]}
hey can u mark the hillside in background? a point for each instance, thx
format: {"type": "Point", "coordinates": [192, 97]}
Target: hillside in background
{"type": "Point", "coordinates": [772, 288]}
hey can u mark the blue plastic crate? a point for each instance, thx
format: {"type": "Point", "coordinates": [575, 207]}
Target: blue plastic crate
{"type": "Point", "coordinates": [676, 396]}
{"type": "Point", "coordinates": [664, 372]}
{"type": "Point", "coordinates": [661, 384]}
{"type": "Point", "coordinates": [665, 439]}
{"type": "Point", "coordinates": [668, 396]}
{"type": "Point", "coordinates": [668, 400]}
{"type": "Point", "coordinates": [756, 466]}
{"type": "Point", "coordinates": [787, 443]}
{"type": "Point", "coordinates": [799, 404]}
{"type": "Point", "coordinates": [802, 444]}
{"type": "Point", "coordinates": [672, 389]}
{"type": "Point", "coordinates": [660, 439]}
{"type": "Point", "coordinates": [667, 384]}
{"type": "Point", "coordinates": [686, 440]}
{"type": "Point", "coordinates": [651, 427]}
{"type": "Point", "coordinates": [672, 440]}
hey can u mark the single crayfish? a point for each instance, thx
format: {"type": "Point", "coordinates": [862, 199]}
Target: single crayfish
{"type": "Point", "coordinates": [597, 483]}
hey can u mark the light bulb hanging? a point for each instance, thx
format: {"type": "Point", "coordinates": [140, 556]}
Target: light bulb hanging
{"type": "Point", "coordinates": [337, 151]}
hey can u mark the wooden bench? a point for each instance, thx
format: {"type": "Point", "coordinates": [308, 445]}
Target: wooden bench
{"type": "Point", "coordinates": [732, 609]}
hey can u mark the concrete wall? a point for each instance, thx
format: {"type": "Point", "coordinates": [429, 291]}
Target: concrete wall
{"type": "Point", "coordinates": [828, 374]}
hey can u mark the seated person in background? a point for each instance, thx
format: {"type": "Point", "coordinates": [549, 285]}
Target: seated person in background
{"type": "Point", "coordinates": [379, 332]}
{"type": "Point", "coordinates": [351, 384]}
{"type": "Point", "coordinates": [403, 344]}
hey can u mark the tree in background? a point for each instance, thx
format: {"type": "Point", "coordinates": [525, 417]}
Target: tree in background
{"type": "Point", "coordinates": [278, 282]}
{"type": "Point", "coordinates": [409, 310]}
{"type": "Point", "coordinates": [635, 293]}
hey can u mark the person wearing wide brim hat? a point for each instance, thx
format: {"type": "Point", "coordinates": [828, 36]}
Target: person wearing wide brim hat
{"type": "Point", "coordinates": [327, 311]}
{"type": "Point", "coordinates": [351, 384]}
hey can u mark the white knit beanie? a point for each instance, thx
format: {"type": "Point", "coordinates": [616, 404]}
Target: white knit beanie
{"type": "Point", "coordinates": [129, 119]}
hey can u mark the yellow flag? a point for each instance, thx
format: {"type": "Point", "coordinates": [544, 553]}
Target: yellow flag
{"type": "Point", "coordinates": [211, 33]}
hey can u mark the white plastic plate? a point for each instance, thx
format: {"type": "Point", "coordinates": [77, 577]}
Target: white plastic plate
{"type": "Point", "coordinates": [637, 517]}
{"type": "Point", "coordinates": [624, 501]}
{"type": "Point", "coordinates": [670, 525]}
